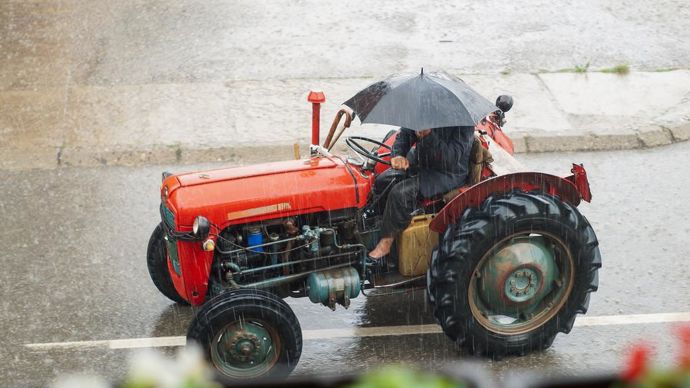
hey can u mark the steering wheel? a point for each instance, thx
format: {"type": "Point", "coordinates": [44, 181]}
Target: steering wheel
{"type": "Point", "coordinates": [352, 142]}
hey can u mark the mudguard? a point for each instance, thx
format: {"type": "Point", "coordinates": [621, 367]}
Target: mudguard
{"type": "Point", "coordinates": [565, 188]}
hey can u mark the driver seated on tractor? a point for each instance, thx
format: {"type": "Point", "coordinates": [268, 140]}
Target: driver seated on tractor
{"type": "Point", "coordinates": [441, 159]}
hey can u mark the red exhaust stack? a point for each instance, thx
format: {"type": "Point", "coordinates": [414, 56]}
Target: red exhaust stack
{"type": "Point", "coordinates": [316, 99]}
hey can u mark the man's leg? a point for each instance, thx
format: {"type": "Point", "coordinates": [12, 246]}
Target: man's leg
{"type": "Point", "coordinates": [401, 202]}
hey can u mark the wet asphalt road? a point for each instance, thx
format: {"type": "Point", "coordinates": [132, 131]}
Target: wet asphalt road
{"type": "Point", "coordinates": [73, 257]}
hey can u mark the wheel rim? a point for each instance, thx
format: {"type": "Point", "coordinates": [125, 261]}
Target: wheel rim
{"type": "Point", "coordinates": [521, 282]}
{"type": "Point", "coordinates": [245, 349]}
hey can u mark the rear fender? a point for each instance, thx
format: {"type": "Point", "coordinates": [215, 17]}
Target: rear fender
{"type": "Point", "coordinates": [579, 179]}
{"type": "Point", "coordinates": [474, 196]}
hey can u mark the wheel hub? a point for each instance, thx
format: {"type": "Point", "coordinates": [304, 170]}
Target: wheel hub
{"type": "Point", "coordinates": [519, 275]}
{"type": "Point", "coordinates": [522, 285]}
{"type": "Point", "coordinates": [247, 344]}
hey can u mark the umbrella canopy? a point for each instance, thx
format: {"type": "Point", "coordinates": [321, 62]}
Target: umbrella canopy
{"type": "Point", "coordinates": [420, 101]}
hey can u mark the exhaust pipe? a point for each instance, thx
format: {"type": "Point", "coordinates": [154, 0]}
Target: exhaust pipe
{"type": "Point", "coordinates": [316, 98]}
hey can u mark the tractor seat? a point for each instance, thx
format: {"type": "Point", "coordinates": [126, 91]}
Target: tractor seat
{"type": "Point", "coordinates": [442, 199]}
{"type": "Point", "coordinates": [428, 202]}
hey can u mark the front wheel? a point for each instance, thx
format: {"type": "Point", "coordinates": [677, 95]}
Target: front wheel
{"type": "Point", "coordinates": [157, 262]}
{"type": "Point", "coordinates": [248, 334]}
{"type": "Point", "coordinates": [512, 274]}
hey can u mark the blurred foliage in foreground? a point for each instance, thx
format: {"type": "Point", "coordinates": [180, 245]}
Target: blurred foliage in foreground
{"type": "Point", "coordinates": [400, 376]}
{"type": "Point", "coordinates": [189, 370]}
{"type": "Point", "coordinates": [639, 374]}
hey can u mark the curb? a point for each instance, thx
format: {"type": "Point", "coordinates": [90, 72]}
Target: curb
{"type": "Point", "coordinates": [162, 154]}
{"type": "Point", "coordinates": [647, 137]}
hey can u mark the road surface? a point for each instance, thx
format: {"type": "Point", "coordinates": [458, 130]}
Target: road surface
{"type": "Point", "coordinates": [74, 243]}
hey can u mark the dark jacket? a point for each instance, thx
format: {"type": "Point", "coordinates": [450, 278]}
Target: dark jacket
{"type": "Point", "coordinates": [441, 158]}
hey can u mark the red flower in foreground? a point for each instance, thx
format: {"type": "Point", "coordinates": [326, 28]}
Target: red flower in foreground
{"type": "Point", "coordinates": [637, 362]}
{"type": "Point", "coordinates": [684, 353]}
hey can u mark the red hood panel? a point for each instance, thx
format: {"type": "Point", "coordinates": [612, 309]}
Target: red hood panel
{"type": "Point", "coordinates": [266, 191]}
{"type": "Point", "coordinates": [203, 177]}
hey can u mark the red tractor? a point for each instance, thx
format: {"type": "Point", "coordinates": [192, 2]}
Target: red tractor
{"type": "Point", "coordinates": [508, 261]}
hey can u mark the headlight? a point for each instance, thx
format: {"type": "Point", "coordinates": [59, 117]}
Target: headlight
{"type": "Point", "coordinates": [200, 228]}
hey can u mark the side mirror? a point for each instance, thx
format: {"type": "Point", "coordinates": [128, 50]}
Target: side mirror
{"type": "Point", "coordinates": [504, 102]}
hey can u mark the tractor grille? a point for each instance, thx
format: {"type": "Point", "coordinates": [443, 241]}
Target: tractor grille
{"type": "Point", "coordinates": [171, 242]}
{"type": "Point", "coordinates": [168, 217]}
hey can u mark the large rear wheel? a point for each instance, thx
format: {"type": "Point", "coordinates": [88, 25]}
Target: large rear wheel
{"type": "Point", "coordinates": [512, 274]}
{"type": "Point", "coordinates": [248, 334]}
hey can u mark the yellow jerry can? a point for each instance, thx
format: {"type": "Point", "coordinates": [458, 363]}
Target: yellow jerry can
{"type": "Point", "coordinates": [414, 246]}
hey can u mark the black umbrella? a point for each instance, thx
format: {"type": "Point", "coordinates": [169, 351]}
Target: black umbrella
{"type": "Point", "coordinates": [420, 101]}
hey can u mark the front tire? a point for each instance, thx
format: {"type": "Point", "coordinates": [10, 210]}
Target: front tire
{"type": "Point", "coordinates": [248, 334]}
{"type": "Point", "coordinates": [157, 262]}
{"type": "Point", "coordinates": [511, 275]}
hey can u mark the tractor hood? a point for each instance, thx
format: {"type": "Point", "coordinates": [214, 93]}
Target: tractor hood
{"type": "Point", "coordinates": [265, 191]}
{"type": "Point", "coordinates": [228, 174]}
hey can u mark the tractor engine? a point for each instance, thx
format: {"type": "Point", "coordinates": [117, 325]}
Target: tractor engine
{"type": "Point", "coordinates": [294, 257]}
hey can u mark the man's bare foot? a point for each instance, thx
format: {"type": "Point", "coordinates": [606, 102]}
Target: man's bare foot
{"type": "Point", "coordinates": [382, 248]}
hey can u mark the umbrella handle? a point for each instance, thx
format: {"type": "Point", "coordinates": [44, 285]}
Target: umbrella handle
{"type": "Point", "coordinates": [338, 116]}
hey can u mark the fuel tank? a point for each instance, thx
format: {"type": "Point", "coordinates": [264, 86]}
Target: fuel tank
{"type": "Point", "coordinates": [265, 191]}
